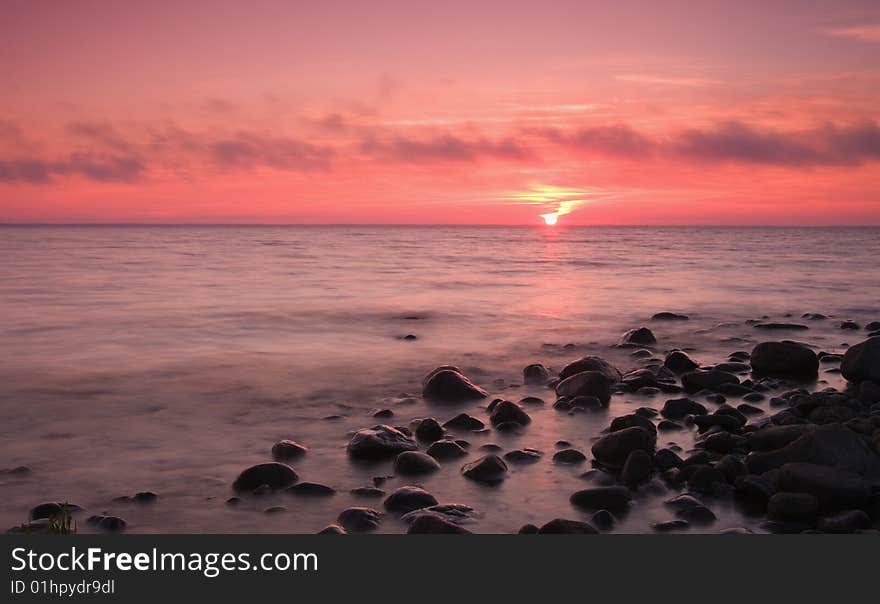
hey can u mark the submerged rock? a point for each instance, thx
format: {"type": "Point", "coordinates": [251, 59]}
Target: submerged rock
{"type": "Point", "coordinates": [446, 449]}
{"type": "Point", "coordinates": [522, 456]}
{"type": "Point", "coordinates": [409, 498]}
{"type": "Point", "coordinates": [669, 316]}
{"type": "Point", "coordinates": [569, 456]}
{"type": "Point", "coordinates": [508, 411]}
{"type": "Point", "coordinates": [108, 523]}
{"type": "Point", "coordinates": [379, 442]}
{"type": "Point", "coordinates": [463, 421]}
{"type": "Point", "coordinates": [712, 379]}
{"type": "Point", "coordinates": [448, 384]}
{"type": "Point", "coordinates": [677, 408]}
{"type": "Point", "coordinates": [311, 489]}
{"type": "Point", "coordinates": [274, 474]}
{"type": "Point", "coordinates": [333, 529]}
{"type": "Point", "coordinates": [490, 468]}
{"type": "Point", "coordinates": [586, 383]}
{"type": "Point", "coordinates": [412, 463]}
{"type": "Point", "coordinates": [288, 449]}
{"type": "Point", "coordinates": [359, 519]}
{"type": "Point", "coordinates": [785, 359]}
{"type": "Point", "coordinates": [641, 336]}
{"type": "Point", "coordinates": [780, 326]}
{"type": "Point", "coordinates": [535, 374]}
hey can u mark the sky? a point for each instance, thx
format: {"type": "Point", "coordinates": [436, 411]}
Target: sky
{"type": "Point", "coordinates": [392, 112]}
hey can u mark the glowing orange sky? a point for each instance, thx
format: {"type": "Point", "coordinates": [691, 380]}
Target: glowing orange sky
{"type": "Point", "coordinates": [405, 112]}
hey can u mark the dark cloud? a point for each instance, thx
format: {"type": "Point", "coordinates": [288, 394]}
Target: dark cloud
{"type": "Point", "coordinates": [247, 150]}
{"type": "Point", "coordinates": [442, 148]}
{"type": "Point", "coordinates": [617, 139]}
{"type": "Point", "coordinates": [103, 134]}
{"type": "Point", "coordinates": [101, 168]}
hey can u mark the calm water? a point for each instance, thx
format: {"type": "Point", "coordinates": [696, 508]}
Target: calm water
{"type": "Point", "coordinates": [170, 358]}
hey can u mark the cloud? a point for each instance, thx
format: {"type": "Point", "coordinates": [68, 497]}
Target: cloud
{"type": "Point", "coordinates": [445, 147]}
{"type": "Point", "coordinates": [865, 33]}
{"type": "Point", "coordinates": [640, 78]}
{"type": "Point", "coordinates": [248, 150]}
{"type": "Point", "coordinates": [616, 139]}
{"type": "Point", "coordinates": [98, 167]}
{"type": "Point", "coordinates": [100, 133]}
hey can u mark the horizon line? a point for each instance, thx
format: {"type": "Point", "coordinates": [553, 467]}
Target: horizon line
{"type": "Point", "coordinates": [416, 224]}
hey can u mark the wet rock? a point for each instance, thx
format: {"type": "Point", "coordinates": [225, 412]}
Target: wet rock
{"type": "Point", "coordinates": [697, 515]}
{"type": "Point", "coordinates": [670, 525]}
{"type": "Point", "coordinates": [669, 316]}
{"type": "Point", "coordinates": [491, 448]}
{"type": "Point", "coordinates": [784, 359]}
{"type": "Point", "coordinates": [849, 325]}
{"type": "Point", "coordinates": [799, 507]}
{"type": "Point", "coordinates": [569, 456]}
{"type": "Point", "coordinates": [463, 421]}
{"type": "Point", "coordinates": [233, 501]}
{"type": "Point", "coordinates": [833, 488]}
{"type": "Point", "coordinates": [647, 412]}
{"type": "Point", "coordinates": [431, 524]}
{"type": "Point", "coordinates": [528, 529]}
{"type": "Point", "coordinates": [776, 437]}
{"type": "Point", "coordinates": [379, 442]}
{"type": "Point", "coordinates": [869, 392]}
{"type": "Point", "coordinates": [489, 469]}
{"type": "Point", "coordinates": [633, 419]}
{"type": "Point", "coordinates": [613, 448]}
{"type": "Point", "coordinates": [445, 384]}
{"type": "Point", "coordinates": [367, 492]}
{"type": "Point", "coordinates": [408, 498]}
{"type": "Point", "coordinates": [753, 488]}
{"type": "Point", "coordinates": [665, 459]}
{"type": "Point", "coordinates": [585, 402]}
{"type": "Point", "coordinates": [50, 509]}
{"type": "Point", "coordinates": [561, 526]}
{"type": "Point", "coordinates": [108, 523]}
{"type": "Point", "coordinates": [534, 401]}
{"type": "Point", "coordinates": [780, 326]}
{"type": "Point", "coordinates": [725, 422]}
{"type": "Point", "coordinates": [679, 362]}
{"type": "Point", "coordinates": [862, 361]}
{"type": "Point", "coordinates": [830, 445]}
{"type": "Point", "coordinates": [535, 374]}
{"type": "Point", "coordinates": [522, 456]}
{"type": "Point", "coordinates": [145, 497]}
{"type": "Point", "coordinates": [694, 381]}
{"type": "Point", "coordinates": [641, 336]}
{"type": "Point", "coordinates": [359, 519]}
{"type": "Point", "coordinates": [586, 383]}
{"type": "Point", "coordinates": [508, 411]}
{"type": "Point", "coordinates": [747, 409]}
{"type": "Point", "coordinates": [333, 529]}
{"type": "Point", "coordinates": [668, 426]}
{"type": "Point", "coordinates": [612, 498]}
{"type": "Point", "coordinates": [733, 367]}
{"type": "Point", "coordinates": [311, 489]}
{"type": "Point", "coordinates": [603, 519]}
{"type": "Point", "coordinates": [288, 449]}
{"type": "Point", "coordinates": [732, 467]}
{"type": "Point", "coordinates": [413, 463]}
{"type": "Point", "coordinates": [705, 478]}
{"type": "Point", "coordinates": [722, 442]}
{"type": "Point", "coordinates": [275, 509]}
{"type": "Point", "coordinates": [274, 474]}
{"type": "Point", "coordinates": [429, 430]}
{"type": "Point", "coordinates": [847, 521]}
{"type": "Point", "coordinates": [446, 449]}
{"type": "Point", "coordinates": [637, 468]}
{"type": "Point", "coordinates": [383, 414]}
{"type": "Point", "coordinates": [591, 363]}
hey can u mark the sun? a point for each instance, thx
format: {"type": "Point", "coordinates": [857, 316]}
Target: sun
{"type": "Point", "coordinates": [550, 219]}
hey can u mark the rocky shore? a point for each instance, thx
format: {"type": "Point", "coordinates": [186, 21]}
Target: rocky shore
{"type": "Point", "coordinates": [769, 440]}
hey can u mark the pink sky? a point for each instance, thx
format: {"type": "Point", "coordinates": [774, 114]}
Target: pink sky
{"type": "Point", "coordinates": [456, 112]}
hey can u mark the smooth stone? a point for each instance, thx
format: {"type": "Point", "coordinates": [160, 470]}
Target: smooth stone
{"type": "Point", "coordinates": [613, 448]}
{"type": "Point", "coordinates": [531, 400]}
{"type": "Point", "coordinates": [801, 507]}
{"type": "Point", "coordinates": [311, 489]}
{"type": "Point", "coordinates": [631, 420]}
{"type": "Point", "coordinates": [697, 515]}
{"type": "Point", "coordinates": [569, 456]}
{"type": "Point", "coordinates": [333, 529]}
{"type": "Point", "coordinates": [669, 316]}
{"type": "Point", "coordinates": [862, 361]}
{"type": "Point", "coordinates": [431, 524]}
{"type": "Point", "coordinates": [463, 421]}
{"type": "Point", "coordinates": [50, 509]}
{"type": "Point", "coordinates": [412, 463]}
{"type": "Point", "coordinates": [586, 383]}
{"type": "Point", "coordinates": [446, 384]}
{"type": "Point", "coordinates": [528, 529]}
{"type": "Point", "coordinates": [274, 474]}
{"type": "Point", "coordinates": [379, 442]}
{"type": "Point", "coordinates": [832, 487]}
{"type": "Point", "coordinates": [359, 519]}
{"type": "Point", "coordinates": [562, 526]}
{"type": "Point", "coordinates": [829, 445]}
{"type": "Point", "coordinates": [275, 509]}
{"type": "Point", "coordinates": [535, 374]}
{"type": "Point", "coordinates": [670, 525]}
{"type": "Point", "coordinates": [383, 414]}
{"type": "Point", "coordinates": [785, 359]}
{"type": "Point", "coordinates": [680, 362]}
{"type": "Point", "coordinates": [446, 449]}
{"type": "Point", "coordinates": [612, 498]}
{"type": "Point", "coordinates": [429, 430]}
{"type": "Point", "coordinates": [509, 412]}
{"type": "Point", "coordinates": [489, 469]}
{"type": "Point", "coordinates": [603, 519]}
{"type": "Point", "coordinates": [591, 363]}
{"type": "Point", "coordinates": [694, 381]}
{"type": "Point", "coordinates": [108, 523]}
{"type": "Point", "coordinates": [780, 326]}
{"type": "Point", "coordinates": [288, 449]}
{"type": "Point", "coordinates": [367, 492]}
{"type": "Point", "coordinates": [637, 468]}
{"type": "Point", "coordinates": [640, 336]}
{"type": "Point", "coordinates": [408, 498]}
{"type": "Point", "coordinates": [666, 459]}
{"type": "Point", "coordinates": [522, 456]}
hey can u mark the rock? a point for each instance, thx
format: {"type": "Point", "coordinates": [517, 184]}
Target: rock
{"type": "Point", "coordinates": [145, 497]}
{"type": "Point", "coordinates": [849, 325]}
{"type": "Point", "coordinates": [862, 361]}
{"type": "Point", "coordinates": [747, 409]}
{"type": "Point", "coordinates": [408, 498]}
{"type": "Point", "coordinates": [603, 519]}
{"type": "Point", "coordinates": [333, 529]}
{"type": "Point", "coordinates": [489, 469]}
{"type": "Point", "coordinates": [446, 449]}
{"type": "Point", "coordinates": [785, 359]}
{"type": "Point", "coordinates": [637, 469]}
{"type": "Point", "coordinates": [586, 383]}
{"type": "Point", "coordinates": [528, 529]}
{"type": "Point", "coordinates": [753, 488]}
{"type": "Point", "coordinates": [733, 367]}
{"type": "Point", "coordinates": [722, 442]}
{"type": "Point", "coordinates": [50, 509]}
{"type": "Point", "coordinates": [358, 519]}
{"type": "Point", "coordinates": [847, 521]}
{"type": "Point", "coordinates": [274, 474]}
{"type": "Point", "coordinates": [666, 459]}
{"type": "Point", "coordinates": [830, 445]}
{"type": "Point", "coordinates": [275, 509]}
{"type": "Point", "coordinates": [531, 400]}
{"type": "Point", "coordinates": [367, 492]}
{"type": "Point", "coordinates": [679, 362]}
{"type": "Point", "coordinates": [561, 526]}
{"type": "Point", "coordinates": [694, 381]}
{"type": "Point", "coordinates": [613, 448]}
{"type": "Point", "coordinates": [732, 467]}
{"type": "Point", "coordinates": [669, 316]}
{"type": "Point", "coordinates": [798, 507]}
{"type": "Point", "coordinates": [508, 411]}
{"type": "Point", "coordinates": [668, 426]}
{"type": "Point", "coordinates": [612, 498]}
{"type": "Point", "coordinates": [108, 523]}
{"type": "Point", "coordinates": [413, 463]}
{"type": "Point", "coordinates": [775, 437]}
{"type": "Point", "coordinates": [781, 326]}
{"type": "Point", "coordinates": [570, 456]}
{"type": "Point", "coordinates": [697, 515]}
{"type": "Point", "coordinates": [431, 524]}
{"type": "Point", "coordinates": [670, 525]}
{"type": "Point", "coordinates": [535, 374]}
{"type": "Point", "coordinates": [429, 430]}
{"type": "Point", "coordinates": [445, 384]}
{"type": "Point", "coordinates": [586, 402]}
{"type": "Point", "coordinates": [833, 488]}
{"type": "Point", "coordinates": [288, 449]}
{"type": "Point", "coordinates": [633, 419]}
{"type": "Point", "coordinates": [591, 363]}
{"type": "Point", "coordinates": [379, 442]}
{"type": "Point", "coordinates": [522, 456]}
{"type": "Point", "coordinates": [869, 392]}
{"type": "Point", "coordinates": [683, 502]}
{"type": "Point", "coordinates": [641, 336]}
{"type": "Point", "coordinates": [463, 421]}
{"type": "Point", "coordinates": [725, 422]}
{"type": "Point", "coordinates": [383, 414]}
{"type": "Point", "coordinates": [311, 489]}
{"type": "Point", "coordinates": [705, 478]}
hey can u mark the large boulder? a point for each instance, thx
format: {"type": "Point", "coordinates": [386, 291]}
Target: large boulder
{"type": "Point", "coordinates": [591, 363]}
{"type": "Point", "coordinates": [508, 411]}
{"type": "Point", "coordinates": [833, 488]}
{"type": "Point", "coordinates": [862, 361]}
{"type": "Point", "coordinates": [785, 359]}
{"type": "Point", "coordinates": [830, 445]}
{"type": "Point", "coordinates": [448, 384]}
{"type": "Point", "coordinates": [379, 442]}
{"type": "Point", "coordinates": [586, 383]}
{"type": "Point", "coordinates": [613, 448]}
{"type": "Point", "coordinates": [614, 498]}
{"type": "Point", "coordinates": [275, 474]}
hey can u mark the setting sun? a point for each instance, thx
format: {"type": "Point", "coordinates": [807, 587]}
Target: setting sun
{"type": "Point", "coordinates": [550, 219]}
